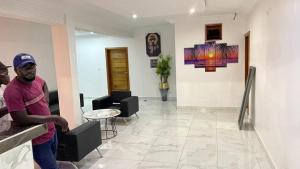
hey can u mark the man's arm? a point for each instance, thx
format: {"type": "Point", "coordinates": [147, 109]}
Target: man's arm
{"type": "Point", "coordinates": [46, 92]}
{"type": "Point", "coordinates": [23, 118]}
{"type": "Point", "coordinates": [17, 109]}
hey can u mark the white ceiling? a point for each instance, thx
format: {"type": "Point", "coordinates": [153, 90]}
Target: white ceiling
{"type": "Point", "coordinates": [161, 8]}
{"type": "Point", "coordinates": [118, 13]}
{"type": "Point", "coordinates": [114, 16]}
{"type": "Point", "coordinates": [149, 8]}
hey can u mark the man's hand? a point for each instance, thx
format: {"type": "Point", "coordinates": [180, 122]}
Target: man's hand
{"type": "Point", "coordinates": [62, 123]}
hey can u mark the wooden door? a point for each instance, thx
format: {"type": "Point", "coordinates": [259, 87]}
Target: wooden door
{"type": "Point", "coordinates": [247, 54]}
{"type": "Point", "coordinates": [117, 69]}
{"type": "Point", "coordinates": [247, 57]}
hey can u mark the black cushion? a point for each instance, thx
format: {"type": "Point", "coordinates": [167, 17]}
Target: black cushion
{"type": "Point", "coordinates": [3, 111]}
{"type": "Point", "coordinates": [81, 100]}
{"type": "Point", "coordinates": [53, 97]}
{"type": "Point", "coordinates": [53, 102]}
{"type": "Point", "coordinates": [117, 96]}
{"type": "Point", "coordinates": [54, 109]}
{"type": "Point", "coordinates": [122, 100]}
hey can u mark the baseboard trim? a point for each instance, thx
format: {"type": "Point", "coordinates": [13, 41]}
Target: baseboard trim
{"type": "Point", "coordinates": [157, 98]}
{"type": "Point", "coordinates": [210, 108]}
{"type": "Point", "coordinates": [264, 146]}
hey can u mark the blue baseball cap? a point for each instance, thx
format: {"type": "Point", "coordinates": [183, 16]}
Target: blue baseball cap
{"type": "Point", "coordinates": [22, 59]}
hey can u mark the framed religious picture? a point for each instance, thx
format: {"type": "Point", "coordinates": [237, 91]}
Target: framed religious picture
{"type": "Point", "coordinates": [153, 44]}
{"type": "Point", "coordinates": [213, 32]}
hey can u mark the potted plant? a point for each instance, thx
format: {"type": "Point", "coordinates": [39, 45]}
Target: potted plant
{"type": "Point", "coordinates": [163, 70]}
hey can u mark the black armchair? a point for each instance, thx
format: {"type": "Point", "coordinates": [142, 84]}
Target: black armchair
{"type": "Point", "coordinates": [122, 100]}
{"type": "Point", "coordinates": [77, 143]}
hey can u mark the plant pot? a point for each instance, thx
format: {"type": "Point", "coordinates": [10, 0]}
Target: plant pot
{"type": "Point", "coordinates": [163, 86]}
{"type": "Point", "coordinates": [164, 94]}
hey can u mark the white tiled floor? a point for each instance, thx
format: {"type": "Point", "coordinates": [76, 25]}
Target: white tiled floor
{"type": "Point", "coordinates": [164, 137]}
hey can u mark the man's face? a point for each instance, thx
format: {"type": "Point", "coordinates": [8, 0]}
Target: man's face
{"type": "Point", "coordinates": [4, 77]}
{"type": "Point", "coordinates": [152, 39]}
{"type": "Point", "coordinates": [27, 72]}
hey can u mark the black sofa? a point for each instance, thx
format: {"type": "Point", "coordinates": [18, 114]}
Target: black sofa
{"type": "Point", "coordinates": [53, 102]}
{"type": "Point", "coordinates": [3, 111]}
{"type": "Point", "coordinates": [78, 142]}
{"type": "Point", "coordinates": [122, 100]}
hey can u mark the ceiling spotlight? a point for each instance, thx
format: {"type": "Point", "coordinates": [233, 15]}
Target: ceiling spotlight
{"type": "Point", "coordinates": [134, 16]}
{"type": "Point", "coordinates": [192, 11]}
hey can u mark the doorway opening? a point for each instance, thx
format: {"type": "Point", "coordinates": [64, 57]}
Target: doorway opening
{"type": "Point", "coordinates": [117, 69]}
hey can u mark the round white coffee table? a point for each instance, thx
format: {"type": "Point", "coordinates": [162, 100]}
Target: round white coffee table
{"type": "Point", "coordinates": [107, 114]}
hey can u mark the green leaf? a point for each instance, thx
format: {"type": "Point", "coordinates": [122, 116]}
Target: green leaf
{"type": "Point", "coordinates": [163, 67]}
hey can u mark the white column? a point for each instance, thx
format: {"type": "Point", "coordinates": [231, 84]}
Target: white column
{"type": "Point", "coordinates": [63, 37]}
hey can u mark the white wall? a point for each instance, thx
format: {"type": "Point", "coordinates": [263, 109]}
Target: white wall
{"type": "Point", "coordinates": [91, 66]}
{"type": "Point", "coordinates": [195, 87]}
{"type": "Point", "coordinates": [143, 79]}
{"type": "Point", "coordinates": [18, 36]}
{"type": "Point", "coordinates": [275, 32]}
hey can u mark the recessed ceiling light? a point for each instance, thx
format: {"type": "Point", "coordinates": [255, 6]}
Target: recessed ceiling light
{"type": "Point", "coordinates": [92, 33]}
{"type": "Point", "coordinates": [134, 16]}
{"type": "Point", "coordinates": [192, 11]}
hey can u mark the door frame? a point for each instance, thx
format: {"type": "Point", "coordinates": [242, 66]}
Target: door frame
{"type": "Point", "coordinates": [247, 59]}
{"type": "Point", "coordinates": [247, 54]}
{"type": "Point", "coordinates": [108, 66]}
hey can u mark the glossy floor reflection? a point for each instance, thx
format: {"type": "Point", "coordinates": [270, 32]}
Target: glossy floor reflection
{"type": "Point", "coordinates": [164, 137]}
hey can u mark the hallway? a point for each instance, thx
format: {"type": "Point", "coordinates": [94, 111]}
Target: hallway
{"type": "Point", "coordinates": [164, 137]}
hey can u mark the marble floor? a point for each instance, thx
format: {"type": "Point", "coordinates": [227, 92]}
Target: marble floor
{"type": "Point", "coordinates": [164, 137]}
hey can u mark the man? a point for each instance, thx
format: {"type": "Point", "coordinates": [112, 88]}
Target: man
{"type": "Point", "coordinates": [4, 80]}
{"type": "Point", "coordinates": [26, 98]}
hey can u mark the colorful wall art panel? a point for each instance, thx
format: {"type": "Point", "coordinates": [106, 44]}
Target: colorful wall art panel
{"type": "Point", "coordinates": [200, 56]}
{"type": "Point", "coordinates": [233, 54]}
{"type": "Point", "coordinates": [210, 69]}
{"type": "Point", "coordinates": [211, 55]}
{"type": "Point", "coordinates": [189, 57]}
{"type": "Point", "coordinates": [221, 55]}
